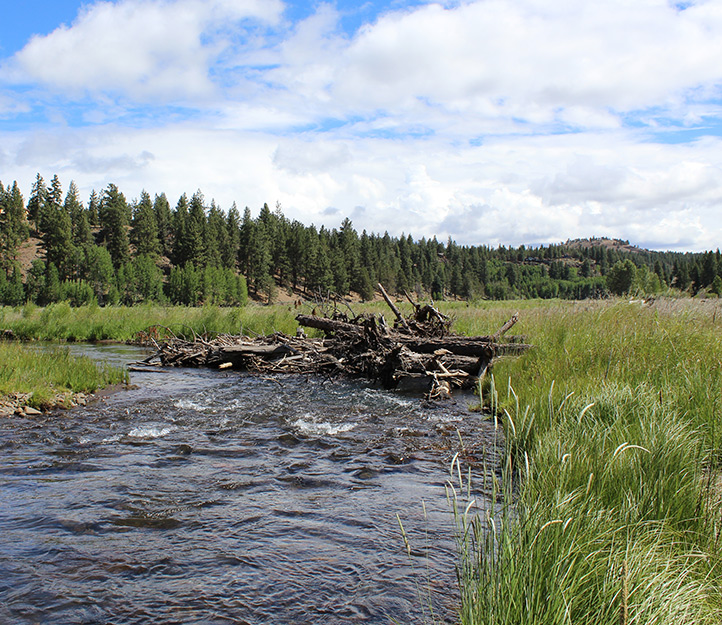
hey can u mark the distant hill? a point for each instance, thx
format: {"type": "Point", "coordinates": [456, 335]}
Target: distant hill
{"type": "Point", "coordinates": [604, 242]}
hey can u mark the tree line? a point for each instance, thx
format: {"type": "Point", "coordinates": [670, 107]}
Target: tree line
{"type": "Point", "coordinates": [108, 250]}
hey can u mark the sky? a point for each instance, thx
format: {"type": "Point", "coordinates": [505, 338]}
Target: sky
{"type": "Point", "coordinates": [493, 122]}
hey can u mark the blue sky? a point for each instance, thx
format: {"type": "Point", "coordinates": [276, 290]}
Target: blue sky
{"type": "Point", "coordinates": [490, 121]}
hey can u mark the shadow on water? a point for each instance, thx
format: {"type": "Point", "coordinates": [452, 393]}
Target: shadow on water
{"type": "Point", "coordinates": [207, 497]}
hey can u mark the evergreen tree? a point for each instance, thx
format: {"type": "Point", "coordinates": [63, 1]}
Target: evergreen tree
{"type": "Point", "coordinates": [365, 285]}
{"type": "Point", "coordinates": [51, 292]}
{"type": "Point", "coordinates": [11, 288]}
{"type": "Point", "coordinates": [144, 228]}
{"type": "Point", "coordinates": [113, 219]}
{"type": "Point", "coordinates": [37, 200]}
{"type": "Point", "coordinates": [13, 224]}
{"type": "Point", "coordinates": [245, 242]}
{"type": "Point", "coordinates": [164, 221]}
{"type": "Point", "coordinates": [216, 237]}
{"type": "Point", "coordinates": [94, 209]}
{"type": "Point", "coordinates": [35, 282]}
{"type": "Point", "coordinates": [260, 261]}
{"type": "Point", "coordinates": [80, 224]}
{"type": "Point", "coordinates": [297, 244]}
{"type": "Point", "coordinates": [320, 275]}
{"type": "Point", "coordinates": [621, 277]}
{"type": "Point", "coordinates": [229, 252]}
{"type": "Point", "coordinates": [195, 231]}
{"type": "Point", "coordinates": [181, 248]}
{"type": "Point", "coordinates": [58, 233]}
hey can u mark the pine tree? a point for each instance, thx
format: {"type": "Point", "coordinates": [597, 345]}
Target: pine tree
{"type": "Point", "coordinates": [229, 253]}
{"type": "Point", "coordinates": [244, 243]}
{"type": "Point", "coordinates": [164, 221]}
{"type": "Point", "coordinates": [144, 228]}
{"type": "Point", "coordinates": [13, 224]}
{"type": "Point", "coordinates": [180, 250]}
{"type": "Point", "coordinates": [195, 231]}
{"type": "Point", "coordinates": [51, 292]}
{"type": "Point", "coordinates": [57, 227]}
{"type": "Point", "coordinates": [11, 287]}
{"type": "Point", "coordinates": [80, 224]}
{"type": "Point", "coordinates": [37, 200]}
{"type": "Point", "coordinates": [216, 237]}
{"type": "Point", "coordinates": [35, 281]}
{"type": "Point", "coordinates": [94, 209]}
{"type": "Point", "coordinates": [113, 220]}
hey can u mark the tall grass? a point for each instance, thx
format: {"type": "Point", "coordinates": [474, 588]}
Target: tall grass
{"type": "Point", "coordinates": [60, 322]}
{"type": "Point", "coordinates": [608, 506]}
{"type": "Point", "coordinates": [50, 377]}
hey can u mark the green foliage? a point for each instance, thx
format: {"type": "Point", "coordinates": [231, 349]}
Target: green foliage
{"type": "Point", "coordinates": [621, 277]}
{"type": "Point", "coordinates": [14, 227]}
{"type": "Point", "coordinates": [716, 286]}
{"type": "Point", "coordinates": [114, 219]}
{"type": "Point", "coordinates": [80, 223]}
{"type": "Point", "coordinates": [99, 271]}
{"type": "Point", "coordinates": [144, 228]}
{"type": "Point", "coordinates": [11, 288]}
{"type": "Point", "coordinates": [272, 252]}
{"type": "Point", "coordinates": [77, 293]}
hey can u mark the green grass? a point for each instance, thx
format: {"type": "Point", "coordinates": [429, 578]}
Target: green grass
{"type": "Point", "coordinates": [608, 503]}
{"type": "Point", "coordinates": [60, 322]}
{"type": "Point", "coordinates": [51, 377]}
{"type": "Point", "coordinates": [609, 499]}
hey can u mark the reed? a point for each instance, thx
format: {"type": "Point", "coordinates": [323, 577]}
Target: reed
{"type": "Point", "coordinates": [608, 503]}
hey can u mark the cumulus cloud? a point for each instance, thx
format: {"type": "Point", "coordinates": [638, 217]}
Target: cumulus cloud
{"type": "Point", "coordinates": [140, 48]}
{"type": "Point", "coordinates": [529, 190]}
{"type": "Point", "coordinates": [570, 62]}
{"type": "Point", "coordinates": [490, 121]}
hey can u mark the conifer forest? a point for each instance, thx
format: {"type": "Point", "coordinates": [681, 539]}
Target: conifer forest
{"type": "Point", "coordinates": [55, 246]}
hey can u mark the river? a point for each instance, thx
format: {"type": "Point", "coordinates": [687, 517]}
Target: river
{"type": "Point", "coordinates": [217, 497]}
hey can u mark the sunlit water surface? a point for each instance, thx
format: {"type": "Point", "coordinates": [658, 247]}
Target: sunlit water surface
{"type": "Point", "coordinates": [209, 497]}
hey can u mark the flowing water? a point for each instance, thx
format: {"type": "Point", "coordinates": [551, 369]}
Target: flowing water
{"type": "Point", "coordinates": [209, 497]}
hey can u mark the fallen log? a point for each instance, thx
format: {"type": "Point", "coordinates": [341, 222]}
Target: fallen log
{"type": "Point", "coordinates": [329, 325]}
{"type": "Point", "coordinates": [420, 347]}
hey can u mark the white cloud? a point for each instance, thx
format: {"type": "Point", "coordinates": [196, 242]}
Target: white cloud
{"type": "Point", "coordinates": [525, 190]}
{"type": "Point", "coordinates": [527, 59]}
{"type": "Point", "coordinates": [139, 48]}
{"type": "Point", "coordinates": [437, 120]}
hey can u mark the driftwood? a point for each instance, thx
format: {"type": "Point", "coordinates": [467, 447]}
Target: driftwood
{"type": "Point", "coordinates": [420, 347]}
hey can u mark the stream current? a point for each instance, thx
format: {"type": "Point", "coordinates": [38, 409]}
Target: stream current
{"type": "Point", "coordinates": [217, 497]}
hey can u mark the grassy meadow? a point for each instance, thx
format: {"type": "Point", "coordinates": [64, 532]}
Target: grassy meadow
{"type": "Point", "coordinates": [610, 495]}
{"type": "Point", "coordinates": [609, 506]}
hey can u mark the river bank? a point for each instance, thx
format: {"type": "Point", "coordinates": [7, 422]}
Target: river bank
{"type": "Point", "coordinates": [34, 380]}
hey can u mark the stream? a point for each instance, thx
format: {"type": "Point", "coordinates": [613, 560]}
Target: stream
{"type": "Point", "coordinates": [220, 497]}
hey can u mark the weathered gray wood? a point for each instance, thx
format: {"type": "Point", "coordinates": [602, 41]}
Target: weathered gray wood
{"type": "Point", "coordinates": [394, 309]}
